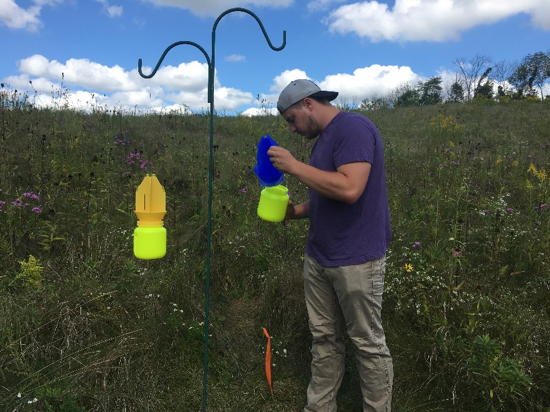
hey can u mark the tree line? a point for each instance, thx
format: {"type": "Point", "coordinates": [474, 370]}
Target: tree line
{"type": "Point", "coordinates": [477, 77]}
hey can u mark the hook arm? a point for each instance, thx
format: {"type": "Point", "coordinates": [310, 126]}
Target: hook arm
{"type": "Point", "coordinates": [259, 22]}
{"type": "Point", "coordinates": [148, 76]}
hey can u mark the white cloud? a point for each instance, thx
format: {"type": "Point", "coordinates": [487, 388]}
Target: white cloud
{"type": "Point", "coordinates": [139, 22]}
{"type": "Point", "coordinates": [175, 87]}
{"type": "Point", "coordinates": [541, 16]}
{"type": "Point", "coordinates": [111, 11]}
{"type": "Point", "coordinates": [183, 86]}
{"type": "Point", "coordinates": [215, 7]}
{"type": "Point", "coordinates": [282, 80]}
{"type": "Point", "coordinates": [81, 72]}
{"type": "Point", "coordinates": [366, 82]}
{"type": "Point", "coordinates": [255, 111]}
{"type": "Point", "coordinates": [191, 77]}
{"type": "Point", "coordinates": [235, 58]}
{"type": "Point", "coordinates": [228, 98]}
{"type": "Point", "coordinates": [269, 101]}
{"type": "Point", "coordinates": [114, 11]}
{"type": "Point", "coordinates": [429, 20]}
{"type": "Point", "coordinates": [174, 108]}
{"type": "Point", "coordinates": [16, 17]}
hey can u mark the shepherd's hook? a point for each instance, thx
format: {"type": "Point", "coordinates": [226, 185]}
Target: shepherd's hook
{"type": "Point", "coordinates": [211, 61]}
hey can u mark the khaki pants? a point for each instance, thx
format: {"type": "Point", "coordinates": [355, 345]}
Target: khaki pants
{"type": "Point", "coordinates": [341, 299]}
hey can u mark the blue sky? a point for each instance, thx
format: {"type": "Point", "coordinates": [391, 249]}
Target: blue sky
{"type": "Point", "coordinates": [363, 49]}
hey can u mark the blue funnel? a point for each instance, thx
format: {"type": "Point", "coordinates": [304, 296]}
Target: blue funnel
{"type": "Point", "coordinates": [267, 174]}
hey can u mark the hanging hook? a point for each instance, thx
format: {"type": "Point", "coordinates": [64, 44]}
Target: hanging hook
{"type": "Point", "coordinates": [148, 76]}
{"type": "Point", "coordinates": [213, 54]}
{"type": "Point", "coordinates": [259, 22]}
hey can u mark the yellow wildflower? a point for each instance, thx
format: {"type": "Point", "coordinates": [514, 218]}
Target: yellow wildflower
{"type": "Point", "coordinates": [408, 267]}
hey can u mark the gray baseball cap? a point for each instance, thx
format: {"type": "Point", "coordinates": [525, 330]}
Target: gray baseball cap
{"type": "Point", "coordinates": [300, 89]}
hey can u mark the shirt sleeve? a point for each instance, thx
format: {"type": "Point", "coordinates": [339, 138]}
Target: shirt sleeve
{"type": "Point", "coordinates": [356, 143]}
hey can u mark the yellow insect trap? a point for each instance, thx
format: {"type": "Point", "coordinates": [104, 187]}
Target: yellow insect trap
{"type": "Point", "coordinates": [273, 203]}
{"type": "Point", "coordinates": [150, 235]}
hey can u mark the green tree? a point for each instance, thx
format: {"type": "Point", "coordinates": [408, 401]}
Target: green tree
{"type": "Point", "coordinates": [374, 103]}
{"type": "Point", "coordinates": [485, 90]}
{"type": "Point", "coordinates": [519, 79]}
{"type": "Point", "coordinates": [539, 64]}
{"type": "Point", "coordinates": [457, 93]}
{"type": "Point", "coordinates": [407, 96]}
{"type": "Point", "coordinates": [533, 72]}
{"type": "Point", "coordinates": [484, 87]}
{"type": "Point", "coordinates": [430, 91]}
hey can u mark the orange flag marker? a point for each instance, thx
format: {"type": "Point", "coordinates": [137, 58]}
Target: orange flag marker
{"type": "Point", "coordinates": [268, 360]}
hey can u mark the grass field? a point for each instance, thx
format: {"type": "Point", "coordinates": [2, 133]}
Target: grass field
{"type": "Point", "coordinates": [85, 326]}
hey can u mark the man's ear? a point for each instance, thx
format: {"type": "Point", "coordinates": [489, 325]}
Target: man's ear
{"type": "Point", "coordinates": [309, 103]}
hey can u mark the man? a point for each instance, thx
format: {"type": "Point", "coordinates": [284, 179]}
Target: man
{"type": "Point", "coordinates": [344, 263]}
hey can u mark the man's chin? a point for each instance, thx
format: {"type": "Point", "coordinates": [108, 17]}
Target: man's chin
{"type": "Point", "coordinates": [307, 135]}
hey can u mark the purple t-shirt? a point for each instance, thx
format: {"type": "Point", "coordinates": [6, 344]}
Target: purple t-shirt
{"type": "Point", "coordinates": [341, 234]}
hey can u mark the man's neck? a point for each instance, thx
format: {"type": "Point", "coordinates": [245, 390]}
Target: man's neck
{"type": "Point", "coordinates": [328, 113]}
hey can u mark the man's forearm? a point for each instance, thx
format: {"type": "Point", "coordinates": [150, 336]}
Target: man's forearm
{"type": "Point", "coordinates": [301, 211]}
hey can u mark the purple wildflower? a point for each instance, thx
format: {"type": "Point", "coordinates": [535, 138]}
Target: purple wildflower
{"type": "Point", "coordinates": [416, 244]}
{"type": "Point", "coordinates": [121, 140]}
{"type": "Point", "coordinates": [130, 160]}
{"type": "Point", "coordinates": [31, 195]}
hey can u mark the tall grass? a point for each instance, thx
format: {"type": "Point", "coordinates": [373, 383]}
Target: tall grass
{"type": "Point", "coordinates": [84, 326]}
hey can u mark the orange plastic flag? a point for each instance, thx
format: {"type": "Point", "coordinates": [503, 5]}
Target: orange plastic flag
{"type": "Point", "coordinates": [268, 360]}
